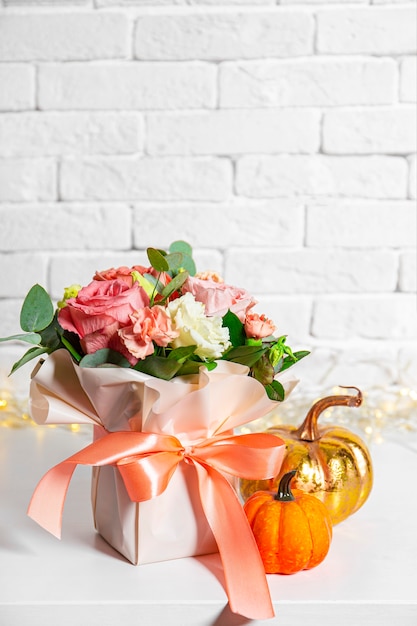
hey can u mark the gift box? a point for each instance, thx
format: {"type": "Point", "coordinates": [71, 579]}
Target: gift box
{"type": "Point", "coordinates": [164, 459]}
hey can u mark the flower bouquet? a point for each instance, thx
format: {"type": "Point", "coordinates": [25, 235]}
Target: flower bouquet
{"type": "Point", "coordinates": [165, 363]}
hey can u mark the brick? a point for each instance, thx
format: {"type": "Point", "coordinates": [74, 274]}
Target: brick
{"type": "Point", "coordinates": [366, 364]}
{"type": "Point", "coordinates": [290, 314]}
{"type": "Point", "coordinates": [219, 36]}
{"type": "Point", "coordinates": [65, 227]}
{"type": "Point", "coordinates": [27, 180]}
{"type": "Point", "coordinates": [313, 271]}
{"type": "Point", "coordinates": [366, 177]}
{"type": "Point", "coordinates": [412, 185]}
{"type": "Point", "coordinates": [319, 2]}
{"type": "Point", "coordinates": [369, 30]}
{"type": "Point", "coordinates": [408, 271]}
{"type": "Point", "coordinates": [407, 366]}
{"type": "Point", "coordinates": [242, 222]}
{"type": "Point", "coordinates": [234, 132]}
{"type": "Point", "coordinates": [18, 93]}
{"type": "Point", "coordinates": [408, 82]}
{"type": "Point", "coordinates": [371, 317]}
{"type": "Point", "coordinates": [9, 325]}
{"type": "Point", "coordinates": [50, 134]}
{"type": "Point", "coordinates": [110, 3]}
{"type": "Point", "coordinates": [66, 269]}
{"type": "Point", "coordinates": [370, 131]}
{"type": "Point", "coordinates": [72, 267]}
{"type": "Point", "coordinates": [19, 271]}
{"type": "Point", "coordinates": [42, 3]}
{"type": "Point", "coordinates": [63, 37]}
{"type": "Point", "coordinates": [393, 1]}
{"type": "Point", "coordinates": [361, 225]}
{"type": "Point", "coordinates": [127, 86]}
{"type": "Point", "coordinates": [308, 82]}
{"type": "Point", "coordinates": [146, 179]}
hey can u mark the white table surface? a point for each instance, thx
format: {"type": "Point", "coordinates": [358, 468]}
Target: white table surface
{"type": "Point", "coordinates": [368, 578]}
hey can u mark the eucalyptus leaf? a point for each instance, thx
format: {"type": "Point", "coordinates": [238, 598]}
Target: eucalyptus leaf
{"type": "Point", "coordinates": [37, 310]}
{"type": "Point", "coordinates": [175, 284]}
{"type": "Point", "coordinates": [104, 357]}
{"type": "Point", "coordinates": [32, 353]}
{"type": "Point", "coordinates": [154, 283]}
{"type": "Point", "coordinates": [188, 264]}
{"type": "Point", "coordinates": [175, 261]}
{"type": "Point", "coordinates": [181, 246]}
{"type": "Point", "coordinates": [34, 338]}
{"type": "Point", "coordinates": [157, 260]}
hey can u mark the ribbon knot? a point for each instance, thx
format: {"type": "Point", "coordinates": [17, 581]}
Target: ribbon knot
{"type": "Point", "coordinates": [147, 461]}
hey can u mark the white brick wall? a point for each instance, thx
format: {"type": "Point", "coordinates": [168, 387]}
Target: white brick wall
{"type": "Point", "coordinates": [278, 137]}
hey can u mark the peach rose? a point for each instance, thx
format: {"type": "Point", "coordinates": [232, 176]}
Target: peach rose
{"type": "Point", "coordinates": [99, 310]}
{"type": "Point", "coordinates": [149, 325]}
{"type": "Point", "coordinates": [218, 298]}
{"type": "Point", "coordinates": [258, 326]}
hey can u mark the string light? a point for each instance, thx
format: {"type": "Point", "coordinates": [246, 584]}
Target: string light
{"type": "Point", "coordinates": [388, 413]}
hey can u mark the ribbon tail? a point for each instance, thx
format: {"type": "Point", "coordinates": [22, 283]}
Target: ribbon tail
{"type": "Point", "coordinates": [246, 583]}
{"type": "Point", "coordinates": [47, 503]}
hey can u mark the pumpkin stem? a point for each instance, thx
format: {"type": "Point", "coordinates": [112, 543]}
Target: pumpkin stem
{"type": "Point", "coordinates": [284, 493]}
{"type": "Point", "coordinates": [308, 431]}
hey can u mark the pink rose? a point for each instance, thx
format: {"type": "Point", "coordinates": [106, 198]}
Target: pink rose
{"type": "Point", "coordinates": [99, 310]}
{"type": "Point", "coordinates": [149, 325]}
{"type": "Point", "coordinates": [218, 298]}
{"type": "Point", "coordinates": [258, 326]}
{"type": "Point", "coordinates": [122, 273]}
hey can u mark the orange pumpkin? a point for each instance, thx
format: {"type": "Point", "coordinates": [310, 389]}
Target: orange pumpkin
{"type": "Point", "coordinates": [293, 530]}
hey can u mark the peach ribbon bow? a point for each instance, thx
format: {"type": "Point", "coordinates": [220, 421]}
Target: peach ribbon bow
{"type": "Point", "coordinates": [147, 461]}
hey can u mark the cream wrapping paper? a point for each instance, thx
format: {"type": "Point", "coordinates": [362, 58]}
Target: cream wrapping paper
{"type": "Point", "coordinates": [192, 409]}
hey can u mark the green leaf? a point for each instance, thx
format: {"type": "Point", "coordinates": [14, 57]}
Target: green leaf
{"type": "Point", "coordinates": [37, 310]}
{"type": "Point", "coordinates": [147, 282]}
{"type": "Point", "coordinates": [32, 353]}
{"type": "Point", "coordinates": [34, 338]}
{"type": "Point", "coordinates": [246, 355]}
{"type": "Point", "coordinates": [158, 366]}
{"type": "Point", "coordinates": [236, 329]}
{"type": "Point", "coordinates": [193, 367]}
{"type": "Point", "coordinates": [181, 246]}
{"type": "Point", "coordinates": [157, 260]}
{"type": "Point", "coordinates": [175, 261]}
{"type": "Point", "coordinates": [188, 264]}
{"type": "Point", "coordinates": [104, 358]}
{"type": "Point", "coordinates": [275, 391]}
{"type": "Point", "coordinates": [175, 284]}
{"type": "Point", "coordinates": [182, 353]}
{"type": "Point", "coordinates": [263, 370]}
{"type": "Point", "coordinates": [51, 335]}
{"type": "Point", "coordinates": [288, 361]}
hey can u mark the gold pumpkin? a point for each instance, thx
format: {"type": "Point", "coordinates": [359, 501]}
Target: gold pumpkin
{"type": "Point", "coordinates": [332, 463]}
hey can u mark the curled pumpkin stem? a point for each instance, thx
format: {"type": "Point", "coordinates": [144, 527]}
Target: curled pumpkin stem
{"type": "Point", "coordinates": [284, 493]}
{"type": "Point", "coordinates": [308, 430]}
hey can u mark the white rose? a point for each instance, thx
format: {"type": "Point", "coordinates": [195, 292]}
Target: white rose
{"type": "Point", "coordinates": [195, 328]}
